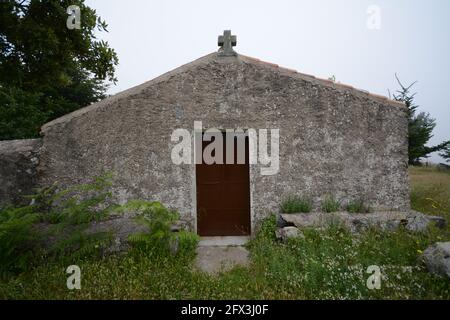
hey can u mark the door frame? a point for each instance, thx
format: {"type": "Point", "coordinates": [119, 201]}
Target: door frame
{"type": "Point", "coordinates": [194, 181]}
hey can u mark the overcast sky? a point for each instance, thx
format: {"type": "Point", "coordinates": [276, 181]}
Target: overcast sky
{"type": "Point", "coordinates": [322, 38]}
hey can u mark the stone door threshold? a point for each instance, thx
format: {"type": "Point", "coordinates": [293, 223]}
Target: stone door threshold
{"type": "Point", "coordinates": [223, 241]}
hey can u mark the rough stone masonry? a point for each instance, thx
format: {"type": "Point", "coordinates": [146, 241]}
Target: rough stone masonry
{"type": "Point", "coordinates": [334, 139]}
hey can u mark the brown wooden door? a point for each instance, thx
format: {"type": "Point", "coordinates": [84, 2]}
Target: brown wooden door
{"type": "Point", "coordinates": [223, 196]}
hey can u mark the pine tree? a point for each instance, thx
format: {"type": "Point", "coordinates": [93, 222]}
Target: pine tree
{"type": "Point", "coordinates": [446, 153]}
{"type": "Point", "coordinates": [420, 127]}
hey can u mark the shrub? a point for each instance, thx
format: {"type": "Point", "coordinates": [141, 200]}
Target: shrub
{"type": "Point", "coordinates": [267, 229]}
{"type": "Point", "coordinates": [296, 204]}
{"type": "Point", "coordinates": [330, 204]}
{"type": "Point", "coordinates": [159, 219]}
{"type": "Point", "coordinates": [53, 229]}
{"type": "Point", "coordinates": [76, 205]}
{"type": "Point", "coordinates": [67, 214]}
{"type": "Point", "coordinates": [17, 238]}
{"type": "Point", "coordinates": [358, 206]}
{"type": "Point", "coordinates": [186, 243]}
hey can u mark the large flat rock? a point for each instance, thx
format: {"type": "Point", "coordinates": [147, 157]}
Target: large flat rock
{"type": "Point", "coordinates": [388, 220]}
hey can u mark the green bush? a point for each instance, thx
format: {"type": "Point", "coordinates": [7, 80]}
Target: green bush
{"type": "Point", "coordinates": [296, 204]}
{"type": "Point", "coordinates": [267, 229]}
{"type": "Point", "coordinates": [53, 227]}
{"type": "Point", "coordinates": [80, 204]}
{"type": "Point", "coordinates": [330, 204]}
{"type": "Point", "coordinates": [17, 238]}
{"type": "Point", "coordinates": [186, 243]}
{"type": "Point", "coordinates": [158, 219]}
{"type": "Point", "coordinates": [358, 206]}
{"type": "Point", "coordinates": [65, 214]}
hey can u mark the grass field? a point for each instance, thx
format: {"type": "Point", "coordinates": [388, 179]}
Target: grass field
{"type": "Point", "coordinates": [430, 190]}
{"type": "Point", "coordinates": [328, 264]}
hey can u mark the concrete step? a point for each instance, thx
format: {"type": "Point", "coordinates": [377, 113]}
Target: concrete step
{"type": "Point", "coordinates": [215, 259]}
{"type": "Point", "coordinates": [223, 241]}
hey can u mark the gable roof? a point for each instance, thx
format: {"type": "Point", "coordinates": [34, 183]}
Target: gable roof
{"type": "Point", "coordinates": [325, 82]}
{"type": "Point", "coordinates": [203, 60]}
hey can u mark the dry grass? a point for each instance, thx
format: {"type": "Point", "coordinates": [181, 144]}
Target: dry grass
{"type": "Point", "coordinates": [430, 190]}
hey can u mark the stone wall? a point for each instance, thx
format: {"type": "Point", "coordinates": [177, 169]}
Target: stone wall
{"type": "Point", "coordinates": [334, 140]}
{"type": "Point", "coordinates": [18, 170]}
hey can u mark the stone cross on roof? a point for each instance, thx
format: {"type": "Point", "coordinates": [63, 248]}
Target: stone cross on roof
{"type": "Point", "coordinates": [226, 43]}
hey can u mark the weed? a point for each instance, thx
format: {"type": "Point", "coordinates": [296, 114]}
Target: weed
{"type": "Point", "coordinates": [23, 242]}
{"type": "Point", "coordinates": [158, 219]}
{"type": "Point", "coordinates": [296, 204]}
{"type": "Point", "coordinates": [330, 204]}
{"type": "Point", "coordinates": [358, 206]}
{"type": "Point", "coordinates": [325, 264]}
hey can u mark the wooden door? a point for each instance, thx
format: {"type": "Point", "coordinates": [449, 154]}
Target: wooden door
{"type": "Point", "coordinates": [223, 196]}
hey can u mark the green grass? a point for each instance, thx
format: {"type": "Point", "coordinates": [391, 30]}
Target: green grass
{"type": "Point", "coordinates": [296, 204]}
{"type": "Point", "coordinates": [358, 206]}
{"type": "Point", "coordinates": [430, 190]}
{"type": "Point", "coordinates": [330, 204]}
{"type": "Point", "coordinates": [327, 264]}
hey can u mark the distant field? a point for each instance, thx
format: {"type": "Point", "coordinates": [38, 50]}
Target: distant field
{"type": "Point", "coordinates": [430, 190]}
